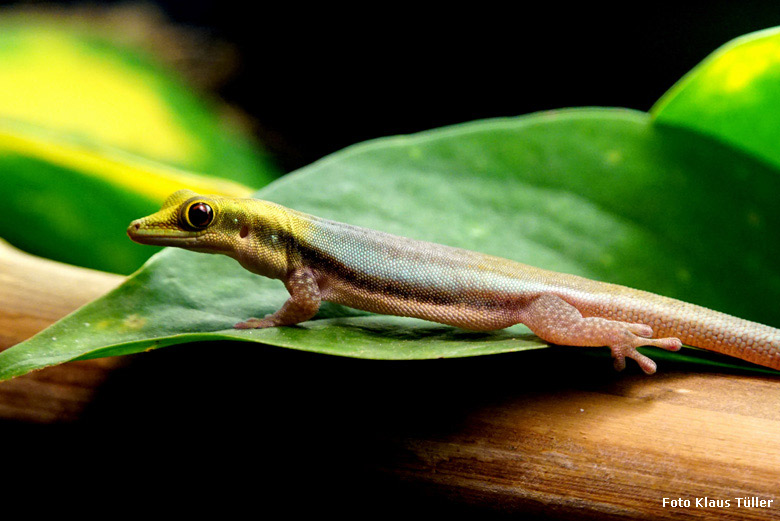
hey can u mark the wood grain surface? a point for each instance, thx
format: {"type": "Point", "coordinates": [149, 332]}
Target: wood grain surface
{"type": "Point", "coordinates": [611, 450]}
{"type": "Point", "coordinates": [551, 434]}
{"type": "Point", "coordinates": [35, 293]}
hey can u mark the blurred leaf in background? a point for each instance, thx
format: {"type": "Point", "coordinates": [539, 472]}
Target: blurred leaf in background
{"type": "Point", "coordinates": [93, 134]}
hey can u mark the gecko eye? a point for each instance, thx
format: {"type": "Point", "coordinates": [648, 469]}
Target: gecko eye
{"type": "Point", "coordinates": [198, 216]}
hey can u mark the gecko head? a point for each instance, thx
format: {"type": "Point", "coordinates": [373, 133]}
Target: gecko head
{"type": "Point", "coordinates": [253, 232]}
{"type": "Point", "coordinates": [186, 220]}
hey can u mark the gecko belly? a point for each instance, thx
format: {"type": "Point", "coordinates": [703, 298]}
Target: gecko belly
{"type": "Point", "coordinates": [474, 310]}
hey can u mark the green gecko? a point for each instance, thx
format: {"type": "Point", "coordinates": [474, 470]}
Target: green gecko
{"type": "Point", "coordinates": [318, 259]}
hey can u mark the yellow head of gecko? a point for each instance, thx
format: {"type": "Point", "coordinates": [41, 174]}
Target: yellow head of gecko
{"type": "Point", "coordinates": [256, 233]}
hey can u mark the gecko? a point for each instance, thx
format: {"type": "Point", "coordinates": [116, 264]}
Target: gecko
{"type": "Point", "coordinates": [323, 260]}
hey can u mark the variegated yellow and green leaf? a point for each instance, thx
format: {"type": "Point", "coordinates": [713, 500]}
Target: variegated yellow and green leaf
{"type": "Point", "coordinates": [92, 133]}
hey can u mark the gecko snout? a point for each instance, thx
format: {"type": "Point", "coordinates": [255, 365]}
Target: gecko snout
{"type": "Point", "coordinates": [134, 228]}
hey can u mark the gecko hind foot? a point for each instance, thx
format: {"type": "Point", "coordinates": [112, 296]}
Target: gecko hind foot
{"type": "Point", "coordinates": [557, 321]}
{"type": "Point", "coordinates": [627, 349]}
{"type": "Point", "coordinates": [640, 330]}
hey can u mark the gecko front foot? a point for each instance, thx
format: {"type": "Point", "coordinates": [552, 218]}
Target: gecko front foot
{"type": "Point", "coordinates": [302, 305]}
{"type": "Point", "coordinates": [256, 323]}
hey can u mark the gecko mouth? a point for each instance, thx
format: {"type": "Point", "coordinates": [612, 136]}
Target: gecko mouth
{"type": "Point", "coordinates": [160, 237]}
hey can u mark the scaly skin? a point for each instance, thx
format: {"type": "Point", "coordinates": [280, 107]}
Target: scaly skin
{"type": "Point", "coordinates": [318, 260]}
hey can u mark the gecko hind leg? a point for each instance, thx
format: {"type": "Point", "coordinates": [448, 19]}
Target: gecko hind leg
{"type": "Point", "coordinates": [556, 321]}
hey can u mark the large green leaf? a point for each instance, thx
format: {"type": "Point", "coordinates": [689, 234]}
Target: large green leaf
{"type": "Point", "coordinates": [600, 193]}
{"type": "Point", "coordinates": [732, 95]}
{"type": "Point", "coordinates": [92, 134]}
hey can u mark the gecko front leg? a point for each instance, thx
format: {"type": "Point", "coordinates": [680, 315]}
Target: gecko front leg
{"type": "Point", "coordinates": [303, 304]}
{"type": "Point", "coordinates": [556, 321]}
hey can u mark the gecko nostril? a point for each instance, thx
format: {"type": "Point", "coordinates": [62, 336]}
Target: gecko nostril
{"type": "Point", "coordinates": [137, 226]}
{"type": "Point", "coordinates": [244, 231]}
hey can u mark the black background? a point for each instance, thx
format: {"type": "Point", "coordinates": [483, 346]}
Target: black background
{"type": "Point", "coordinates": [325, 80]}
{"type": "Point", "coordinates": [234, 425]}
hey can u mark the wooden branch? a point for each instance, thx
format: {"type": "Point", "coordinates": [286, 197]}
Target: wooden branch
{"type": "Point", "coordinates": [551, 433]}
{"type": "Point", "coordinates": [34, 293]}
{"type": "Point", "coordinates": [632, 447]}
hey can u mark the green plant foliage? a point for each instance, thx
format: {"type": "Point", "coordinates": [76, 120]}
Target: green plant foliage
{"type": "Point", "coordinates": [732, 95]}
{"type": "Point", "coordinates": [602, 193]}
{"type": "Point", "coordinates": [91, 134]}
{"type": "Point", "coordinates": [77, 83]}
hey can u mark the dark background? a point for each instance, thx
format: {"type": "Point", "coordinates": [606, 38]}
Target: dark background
{"type": "Point", "coordinates": [314, 79]}
{"type": "Point", "coordinates": [323, 80]}
{"type": "Point", "coordinates": [282, 429]}
{"type": "Point", "coordinates": [317, 78]}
